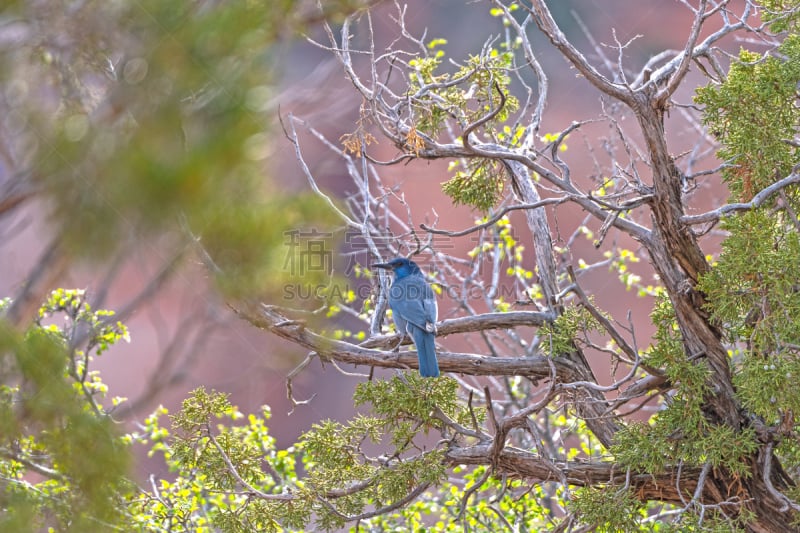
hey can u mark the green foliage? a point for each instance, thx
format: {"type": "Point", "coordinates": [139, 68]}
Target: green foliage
{"type": "Point", "coordinates": [477, 89]}
{"type": "Point", "coordinates": [403, 407]}
{"type": "Point", "coordinates": [468, 94]}
{"type": "Point", "coordinates": [780, 14]}
{"type": "Point", "coordinates": [567, 329]}
{"type": "Point", "coordinates": [341, 480]}
{"type": "Point", "coordinates": [688, 376]}
{"type": "Point", "coordinates": [412, 397]}
{"type": "Point", "coordinates": [169, 143]}
{"type": "Point", "coordinates": [475, 499]}
{"type": "Point", "coordinates": [756, 298]}
{"type": "Point", "coordinates": [752, 291]}
{"type": "Point", "coordinates": [681, 431]}
{"type": "Point", "coordinates": [479, 503]}
{"type": "Point", "coordinates": [752, 113]}
{"type": "Point", "coordinates": [210, 461]}
{"type": "Point", "coordinates": [229, 475]}
{"type": "Point", "coordinates": [608, 509]}
{"type": "Point", "coordinates": [481, 186]}
{"type": "Point", "coordinates": [52, 415]}
{"type": "Point", "coordinates": [758, 302]}
{"type": "Point", "coordinates": [710, 521]}
{"type": "Point", "coordinates": [618, 510]}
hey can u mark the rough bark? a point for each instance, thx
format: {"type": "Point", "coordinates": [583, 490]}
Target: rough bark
{"type": "Point", "coordinates": [676, 485]}
{"type": "Point", "coordinates": [679, 261]}
{"type": "Point", "coordinates": [591, 404]}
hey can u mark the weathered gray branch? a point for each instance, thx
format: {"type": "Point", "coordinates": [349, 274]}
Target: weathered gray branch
{"type": "Point", "coordinates": [469, 324]}
{"type": "Point", "coordinates": [537, 367]}
{"type": "Point", "coordinates": [543, 18]}
{"type": "Point", "coordinates": [757, 201]}
{"type": "Point", "coordinates": [523, 464]}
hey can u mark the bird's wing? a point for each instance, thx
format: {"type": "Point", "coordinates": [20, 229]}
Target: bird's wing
{"type": "Point", "coordinates": [431, 310]}
{"type": "Point", "coordinates": [400, 323]}
{"type": "Point", "coordinates": [414, 301]}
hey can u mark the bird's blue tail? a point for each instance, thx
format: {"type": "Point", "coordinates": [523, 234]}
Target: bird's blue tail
{"type": "Point", "coordinates": [426, 352]}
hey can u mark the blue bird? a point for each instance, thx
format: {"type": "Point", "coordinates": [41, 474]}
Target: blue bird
{"type": "Point", "coordinates": [414, 310]}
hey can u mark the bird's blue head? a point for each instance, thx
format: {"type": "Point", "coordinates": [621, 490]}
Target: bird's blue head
{"type": "Point", "coordinates": [401, 266]}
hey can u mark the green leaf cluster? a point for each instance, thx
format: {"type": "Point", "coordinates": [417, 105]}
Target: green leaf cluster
{"type": "Point", "coordinates": [607, 509]}
{"type": "Point", "coordinates": [402, 408]}
{"type": "Point", "coordinates": [752, 113]}
{"type": "Point", "coordinates": [614, 510]}
{"type": "Point", "coordinates": [753, 293]}
{"type": "Point", "coordinates": [52, 415]}
{"type": "Point", "coordinates": [466, 96]}
{"type": "Point", "coordinates": [226, 473]}
{"type": "Point", "coordinates": [781, 15]}
{"type": "Point", "coordinates": [341, 480]}
{"type": "Point", "coordinates": [752, 290]}
{"type": "Point", "coordinates": [479, 503]}
{"type": "Point", "coordinates": [681, 431]}
{"type": "Point", "coordinates": [205, 494]}
{"type": "Point", "coordinates": [480, 186]}
{"type": "Point", "coordinates": [566, 329]}
{"type": "Point", "coordinates": [162, 134]}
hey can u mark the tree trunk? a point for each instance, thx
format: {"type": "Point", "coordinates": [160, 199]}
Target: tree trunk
{"type": "Point", "coordinates": [679, 261]}
{"type": "Point", "coordinates": [591, 405]}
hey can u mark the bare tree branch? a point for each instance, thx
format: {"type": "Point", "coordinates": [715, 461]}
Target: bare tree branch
{"type": "Point", "coordinates": [757, 201]}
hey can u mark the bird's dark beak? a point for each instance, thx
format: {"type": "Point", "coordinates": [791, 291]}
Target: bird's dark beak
{"type": "Point", "coordinates": [385, 266]}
